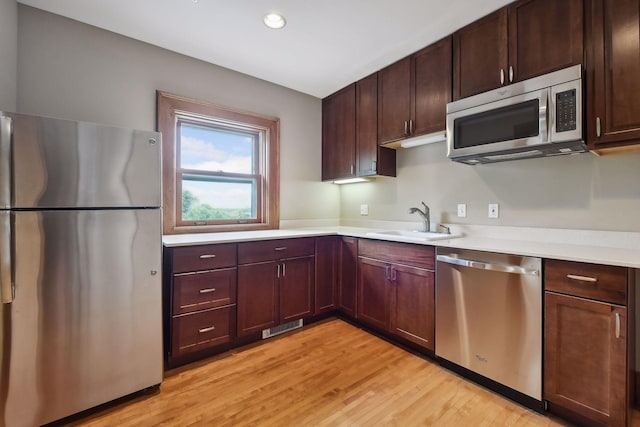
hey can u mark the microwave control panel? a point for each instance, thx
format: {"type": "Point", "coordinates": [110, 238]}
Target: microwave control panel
{"type": "Point", "coordinates": [566, 111]}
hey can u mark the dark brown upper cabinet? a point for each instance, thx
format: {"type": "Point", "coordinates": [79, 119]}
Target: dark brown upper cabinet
{"type": "Point", "coordinates": [339, 134]}
{"type": "Point", "coordinates": [480, 55]}
{"type": "Point", "coordinates": [350, 134]}
{"type": "Point", "coordinates": [371, 158]}
{"type": "Point", "coordinates": [413, 93]}
{"type": "Point", "coordinates": [525, 39]}
{"type": "Point", "coordinates": [613, 67]}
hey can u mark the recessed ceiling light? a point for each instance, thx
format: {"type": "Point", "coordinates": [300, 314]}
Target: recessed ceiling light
{"type": "Point", "coordinates": [274, 21]}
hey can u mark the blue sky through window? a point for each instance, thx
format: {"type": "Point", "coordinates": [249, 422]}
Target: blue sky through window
{"type": "Point", "coordinates": [204, 148]}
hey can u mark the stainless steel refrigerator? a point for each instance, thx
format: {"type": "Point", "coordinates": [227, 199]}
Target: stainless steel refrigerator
{"type": "Point", "coordinates": [80, 266]}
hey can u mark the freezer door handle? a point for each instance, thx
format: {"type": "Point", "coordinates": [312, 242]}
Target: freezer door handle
{"type": "Point", "coordinates": [5, 161]}
{"type": "Point", "coordinates": [503, 268]}
{"type": "Point", "coordinates": [7, 289]}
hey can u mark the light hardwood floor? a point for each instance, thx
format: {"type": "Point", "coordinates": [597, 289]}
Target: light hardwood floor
{"type": "Point", "coordinates": [329, 374]}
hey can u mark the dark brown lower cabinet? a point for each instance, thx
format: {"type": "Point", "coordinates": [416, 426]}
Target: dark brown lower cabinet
{"type": "Point", "coordinates": [327, 250]}
{"type": "Point", "coordinates": [348, 275]}
{"type": "Point", "coordinates": [374, 292]}
{"type": "Point", "coordinates": [296, 288]}
{"type": "Point", "coordinates": [258, 297]}
{"type": "Point", "coordinates": [587, 344]}
{"type": "Point", "coordinates": [395, 296]}
{"type": "Point", "coordinates": [200, 300]}
{"type": "Point", "coordinates": [412, 316]}
{"type": "Point", "coordinates": [586, 358]}
{"type": "Point", "coordinates": [272, 293]}
{"type": "Point", "coordinates": [276, 283]}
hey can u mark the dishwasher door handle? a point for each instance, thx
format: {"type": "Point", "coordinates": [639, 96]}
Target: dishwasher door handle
{"type": "Point", "coordinates": [480, 265]}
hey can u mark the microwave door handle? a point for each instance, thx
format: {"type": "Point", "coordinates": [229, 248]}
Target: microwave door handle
{"type": "Point", "coordinates": [543, 116]}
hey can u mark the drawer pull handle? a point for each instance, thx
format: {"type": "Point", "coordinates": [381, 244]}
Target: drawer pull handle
{"type": "Point", "coordinates": [617, 325]}
{"type": "Point", "coordinates": [207, 290]}
{"type": "Point", "coordinates": [207, 256]}
{"type": "Point", "coordinates": [281, 248]}
{"type": "Point", "coordinates": [582, 278]}
{"type": "Point", "coordinates": [209, 329]}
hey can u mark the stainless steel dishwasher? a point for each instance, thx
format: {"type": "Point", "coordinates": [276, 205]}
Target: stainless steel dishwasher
{"type": "Point", "coordinates": [489, 320]}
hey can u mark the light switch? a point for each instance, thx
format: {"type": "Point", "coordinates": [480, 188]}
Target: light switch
{"type": "Point", "coordinates": [364, 209]}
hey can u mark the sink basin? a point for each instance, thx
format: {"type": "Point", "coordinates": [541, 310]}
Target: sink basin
{"type": "Point", "coordinates": [418, 236]}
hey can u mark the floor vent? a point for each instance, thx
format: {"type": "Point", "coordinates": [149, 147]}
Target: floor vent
{"type": "Point", "coordinates": [281, 329]}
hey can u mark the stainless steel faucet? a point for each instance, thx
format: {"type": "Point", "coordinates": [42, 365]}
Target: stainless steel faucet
{"type": "Point", "coordinates": [425, 216]}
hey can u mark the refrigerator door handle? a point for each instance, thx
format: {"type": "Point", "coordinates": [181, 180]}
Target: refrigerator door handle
{"type": "Point", "coordinates": [5, 161]}
{"type": "Point", "coordinates": [7, 289]}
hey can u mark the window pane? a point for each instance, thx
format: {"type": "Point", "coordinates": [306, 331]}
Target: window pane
{"type": "Point", "coordinates": [216, 150]}
{"type": "Point", "coordinates": [205, 198]}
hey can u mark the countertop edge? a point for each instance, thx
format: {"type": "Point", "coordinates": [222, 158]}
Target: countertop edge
{"type": "Point", "coordinates": [623, 257]}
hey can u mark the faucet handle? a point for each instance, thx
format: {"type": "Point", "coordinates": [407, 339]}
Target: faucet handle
{"type": "Point", "coordinates": [447, 229]}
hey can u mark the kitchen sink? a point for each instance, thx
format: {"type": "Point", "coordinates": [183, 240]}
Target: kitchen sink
{"type": "Point", "coordinates": [416, 236]}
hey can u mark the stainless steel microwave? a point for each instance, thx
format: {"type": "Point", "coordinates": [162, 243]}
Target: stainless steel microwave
{"type": "Point", "coordinates": [538, 117]}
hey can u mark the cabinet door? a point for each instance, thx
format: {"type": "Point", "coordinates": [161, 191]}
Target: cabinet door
{"type": "Point", "coordinates": [257, 297]}
{"type": "Point", "coordinates": [367, 125]}
{"type": "Point", "coordinates": [338, 134]}
{"type": "Point", "coordinates": [374, 294]}
{"type": "Point", "coordinates": [394, 99]}
{"type": "Point", "coordinates": [326, 283]}
{"type": "Point", "coordinates": [432, 80]}
{"type": "Point", "coordinates": [413, 311]}
{"type": "Point", "coordinates": [479, 54]}
{"type": "Point", "coordinates": [586, 357]}
{"type": "Point", "coordinates": [296, 288]}
{"type": "Point", "coordinates": [544, 36]}
{"type": "Point", "coordinates": [613, 67]}
{"type": "Point", "coordinates": [348, 275]}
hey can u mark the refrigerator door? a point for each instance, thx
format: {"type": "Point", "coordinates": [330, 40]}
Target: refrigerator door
{"type": "Point", "coordinates": [60, 164]}
{"type": "Point", "coordinates": [85, 326]}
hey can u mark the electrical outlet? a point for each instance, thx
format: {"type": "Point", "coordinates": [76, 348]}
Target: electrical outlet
{"type": "Point", "coordinates": [364, 209]}
{"type": "Point", "coordinates": [494, 210]}
{"type": "Point", "coordinates": [462, 210]}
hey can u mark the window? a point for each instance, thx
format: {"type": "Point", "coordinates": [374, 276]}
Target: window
{"type": "Point", "coordinates": [220, 167]}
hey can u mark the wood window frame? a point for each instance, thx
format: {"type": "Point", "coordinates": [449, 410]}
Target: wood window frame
{"type": "Point", "coordinates": [172, 109]}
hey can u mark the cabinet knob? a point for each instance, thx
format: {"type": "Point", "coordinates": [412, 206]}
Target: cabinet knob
{"type": "Point", "coordinates": [510, 73]}
{"type": "Point", "coordinates": [209, 329]}
{"type": "Point", "coordinates": [598, 128]}
{"type": "Point", "coordinates": [207, 256]}
{"type": "Point", "coordinates": [617, 325]}
{"type": "Point", "coordinates": [406, 125]}
{"type": "Point", "coordinates": [501, 76]}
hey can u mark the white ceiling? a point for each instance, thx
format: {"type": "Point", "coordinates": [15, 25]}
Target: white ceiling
{"type": "Point", "coordinates": [326, 44]}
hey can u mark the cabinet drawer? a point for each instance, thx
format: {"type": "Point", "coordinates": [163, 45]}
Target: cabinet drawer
{"type": "Point", "coordinates": [207, 289]}
{"type": "Point", "coordinates": [203, 257]}
{"type": "Point", "coordinates": [208, 328]}
{"type": "Point", "coordinates": [271, 250]}
{"type": "Point", "coordinates": [400, 253]}
{"type": "Point", "coordinates": [600, 282]}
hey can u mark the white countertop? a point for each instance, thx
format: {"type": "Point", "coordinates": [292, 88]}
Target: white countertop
{"type": "Point", "coordinates": [599, 247]}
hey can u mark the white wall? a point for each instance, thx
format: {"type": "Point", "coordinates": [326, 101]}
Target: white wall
{"type": "Point", "coordinates": [75, 71]}
{"type": "Point", "coordinates": [8, 54]}
{"type": "Point", "coordinates": [582, 191]}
